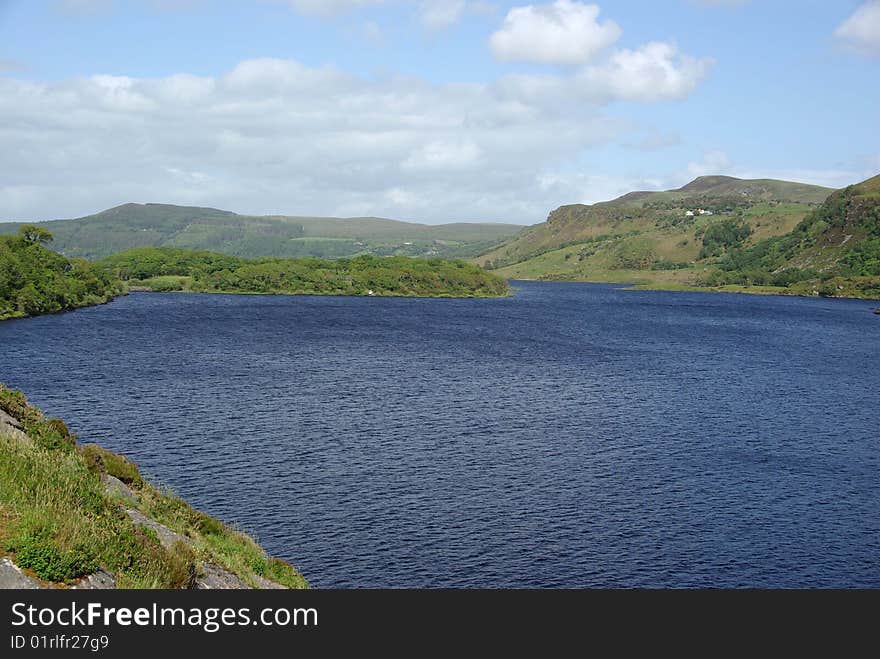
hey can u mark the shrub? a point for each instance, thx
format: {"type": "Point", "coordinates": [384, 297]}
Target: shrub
{"type": "Point", "coordinates": [113, 464]}
{"type": "Point", "coordinates": [37, 548]}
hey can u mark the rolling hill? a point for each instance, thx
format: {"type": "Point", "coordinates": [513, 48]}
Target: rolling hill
{"type": "Point", "coordinates": [188, 227]}
{"type": "Point", "coordinates": [717, 231]}
{"type": "Point", "coordinates": [835, 250]}
{"type": "Point", "coordinates": [642, 228]}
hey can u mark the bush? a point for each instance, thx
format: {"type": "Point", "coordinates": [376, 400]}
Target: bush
{"type": "Point", "coordinates": [112, 464]}
{"type": "Point", "coordinates": [36, 548]}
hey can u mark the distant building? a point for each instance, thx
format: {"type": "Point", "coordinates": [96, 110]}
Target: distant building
{"type": "Point", "coordinates": [689, 214]}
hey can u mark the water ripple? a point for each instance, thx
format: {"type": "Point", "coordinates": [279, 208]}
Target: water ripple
{"type": "Point", "coordinates": [571, 436]}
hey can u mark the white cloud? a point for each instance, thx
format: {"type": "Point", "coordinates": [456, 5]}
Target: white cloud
{"type": "Point", "coordinates": [652, 72]}
{"type": "Point", "coordinates": [276, 136]}
{"type": "Point", "coordinates": [440, 14]}
{"type": "Point", "coordinates": [711, 163]}
{"type": "Point", "coordinates": [565, 32]}
{"type": "Point", "coordinates": [862, 30]}
{"type": "Point", "coordinates": [444, 156]}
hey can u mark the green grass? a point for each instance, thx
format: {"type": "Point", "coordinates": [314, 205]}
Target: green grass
{"type": "Point", "coordinates": [35, 280]}
{"type": "Point", "coordinates": [57, 521]}
{"type": "Point", "coordinates": [163, 268]}
{"type": "Point", "coordinates": [164, 225]}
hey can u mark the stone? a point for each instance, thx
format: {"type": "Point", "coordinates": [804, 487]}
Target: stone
{"type": "Point", "coordinates": [166, 536]}
{"type": "Point", "coordinates": [11, 577]}
{"type": "Point", "coordinates": [214, 577]}
{"type": "Point", "coordinates": [115, 487]}
{"type": "Point", "coordinates": [9, 420]}
{"type": "Point", "coordinates": [265, 584]}
{"type": "Point", "coordinates": [100, 580]}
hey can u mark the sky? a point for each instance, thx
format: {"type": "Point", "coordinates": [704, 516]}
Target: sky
{"type": "Point", "coordinates": [425, 110]}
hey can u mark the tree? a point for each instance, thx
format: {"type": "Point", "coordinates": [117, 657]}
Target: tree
{"type": "Point", "coordinates": [32, 234]}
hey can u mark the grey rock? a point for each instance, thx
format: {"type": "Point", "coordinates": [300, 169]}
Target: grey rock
{"type": "Point", "coordinates": [11, 576]}
{"type": "Point", "coordinates": [9, 420]}
{"type": "Point", "coordinates": [214, 577]}
{"type": "Point", "coordinates": [100, 580]}
{"type": "Point", "coordinates": [115, 487]}
{"type": "Point", "coordinates": [15, 433]}
{"type": "Point", "coordinates": [166, 536]}
{"type": "Point", "coordinates": [265, 584]}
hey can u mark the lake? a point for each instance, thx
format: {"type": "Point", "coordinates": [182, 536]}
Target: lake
{"type": "Point", "coordinates": [573, 435]}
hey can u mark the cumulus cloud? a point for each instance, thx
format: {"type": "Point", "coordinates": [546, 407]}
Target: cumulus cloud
{"type": "Point", "coordinates": [565, 32]}
{"type": "Point", "coordinates": [652, 72]}
{"type": "Point", "coordinates": [862, 30]}
{"type": "Point", "coordinates": [712, 162]}
{"type": "Point", "coordinates": [276, 136]}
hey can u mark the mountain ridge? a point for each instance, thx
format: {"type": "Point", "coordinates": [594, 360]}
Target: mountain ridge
{"type": "Point", "coordinates": [156, 224]}
{"type": "Point", "coordinates": [714, 231]}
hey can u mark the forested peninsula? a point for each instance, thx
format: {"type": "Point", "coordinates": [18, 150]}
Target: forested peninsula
{"type": "Point", "coordinates": [169, 269]}
{"type": "Point", "coordinates": [36, 280]}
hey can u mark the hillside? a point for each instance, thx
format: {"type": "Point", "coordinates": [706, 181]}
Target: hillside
{"type": "Point", "coordinates": [761, 235]}
{"type": "Point", "coordinates": [641, 228]}
{"type": "Point", "coordinates": [169, 269]}
{"type": "Point", "coordinates": [35, 280]}
{"type": "Point", "coordinates": [835, 250]}
{"type": "Point", "coordinates": [188, 227]}
{"type": "Point", "coordinates": [77, 515]}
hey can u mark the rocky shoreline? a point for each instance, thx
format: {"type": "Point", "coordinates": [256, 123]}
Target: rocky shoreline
{"type": "Point", "coordinates": [131, 503]}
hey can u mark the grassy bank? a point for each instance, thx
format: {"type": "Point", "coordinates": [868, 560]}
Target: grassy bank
{"type": "Point", "coordinates": [689, 280]}
{"type": "Point", "coordinates": [60, 521]}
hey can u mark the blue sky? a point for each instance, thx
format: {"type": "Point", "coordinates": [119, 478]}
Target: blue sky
{"type": "Point", "coordinates": [427, 110]}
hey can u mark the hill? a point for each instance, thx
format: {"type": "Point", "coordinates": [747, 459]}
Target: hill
{"type": "Point", "coordinates": [78, 515]}
{"type": "Point", "coordinates": [35, 280]}
{"type": "Point", "coordinates": [717, 231]}
{"type": "Point", "coordinates": [189, 227]}
{"type": "Point", "coordinates": [169, 269]}
{"type": "Point", "coordinates": [652, 226]}
{"type": "Point", "coordinates": [835, 250]}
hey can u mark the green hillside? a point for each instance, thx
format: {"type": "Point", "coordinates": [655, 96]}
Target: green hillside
{"type": "Point", "coordinates": [35, 280]}
{"type": "Point", "coordinates": [659, 221]}
{"type": "Point", "coordinates": [170, 269]}
{"type": "Point", "coordinates": [761, 236]}
{"type": "Point", "coordinates": [835, 250]}
{"type": "Point", "coordinates": [189, 227]}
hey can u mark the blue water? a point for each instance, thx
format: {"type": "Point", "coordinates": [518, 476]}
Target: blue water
{"type": "Point", "coordinates": [574, 435]}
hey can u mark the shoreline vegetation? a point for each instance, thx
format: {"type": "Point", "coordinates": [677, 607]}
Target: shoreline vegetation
{"type": "Point", "coordinates": [630, 281]}
{"type": "Point", "coordinates": [78, 515]}
{"type": "Point", "coordinates": [34, 280]}
{"type": "Point", "coordinates": [166, 269]}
